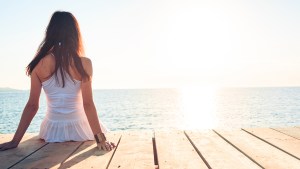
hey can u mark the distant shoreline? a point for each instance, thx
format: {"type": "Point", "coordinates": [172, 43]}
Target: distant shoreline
{"type": "Point", "coordinates": [7, 89]}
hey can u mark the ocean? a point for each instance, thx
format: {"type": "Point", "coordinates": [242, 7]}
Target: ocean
{"type": "Point", "coordinates": [186, 108]}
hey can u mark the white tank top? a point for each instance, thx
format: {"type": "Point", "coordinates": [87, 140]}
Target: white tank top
{"type": "Point", "coordinates": [65, 118]}
{"type": "Point", "coordinates": [67, 99]}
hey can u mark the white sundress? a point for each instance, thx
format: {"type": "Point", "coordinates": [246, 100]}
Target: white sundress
{"type": "Point", "coordinates": [65, 118]}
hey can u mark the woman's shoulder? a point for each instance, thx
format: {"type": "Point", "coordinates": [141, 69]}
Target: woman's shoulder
{"type": "Point", "coordinates": [86, 60]}
{"type": "Point", "coordinates": [47, 59]}
{"type": "Point", "coordinates": [45, 65]}
{"type": "Point", "coordinates": [87, 65]}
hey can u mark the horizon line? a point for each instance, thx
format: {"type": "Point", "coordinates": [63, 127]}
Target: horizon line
{"type": "Point", "coordinates": [180, 87]}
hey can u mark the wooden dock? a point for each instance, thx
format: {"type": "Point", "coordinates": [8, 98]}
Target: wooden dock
{"type": "Point", "coordinates": [250, 148]}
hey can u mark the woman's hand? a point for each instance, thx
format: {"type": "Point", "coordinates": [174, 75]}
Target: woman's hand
{"type": "Point", "coordinates": [8, 145]}
{"type": "Point", "coordinates": [106, 145]}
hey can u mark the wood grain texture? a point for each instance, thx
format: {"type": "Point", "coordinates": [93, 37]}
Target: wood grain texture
{"type": "Point", "coordinates": [89, 156]}
{"type": "Point", "coordinates": [247, 148]}
{"type": "Point", "coordinates": [50, 156]}
{"type": "Point", "coordinates": [175, 151]}
{"type": "Point", "coordinates": [29, 144]}
{"type": "Point", "coordinates": [266, 155]}
{"type": "Point", "coordinates": [218, 153]}
{"type": "Point", "coordinates": [284, 142]}
{"type": "Point", "coordinates": [134, 151]}
{"type": "Point", "coordinates": [291, 131]}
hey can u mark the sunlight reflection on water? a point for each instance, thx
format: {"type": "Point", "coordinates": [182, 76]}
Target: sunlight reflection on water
{"type": "Point", "coordinates": [199, 107]}
{"type": "Point", "coordinates": [185, 108]}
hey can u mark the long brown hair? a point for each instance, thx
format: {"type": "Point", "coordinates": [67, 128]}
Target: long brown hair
{"type": "Point", "coordinates": [64, 38]}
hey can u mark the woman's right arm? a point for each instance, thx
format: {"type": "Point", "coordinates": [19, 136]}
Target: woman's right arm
{"type": "Point", "coordinates": [89, 106]}
{"type": "Point", "coordinates": [29, 112]}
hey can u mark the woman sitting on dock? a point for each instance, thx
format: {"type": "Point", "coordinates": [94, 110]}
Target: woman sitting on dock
{"type": "Point", "coordinates": [66, 77]}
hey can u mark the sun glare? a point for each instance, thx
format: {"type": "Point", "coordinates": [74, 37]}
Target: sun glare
{"type": "Point", "coordinates": [199, 106]}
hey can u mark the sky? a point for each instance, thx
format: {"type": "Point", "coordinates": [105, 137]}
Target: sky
{"type": "Point", "coordinates": [164, 43]}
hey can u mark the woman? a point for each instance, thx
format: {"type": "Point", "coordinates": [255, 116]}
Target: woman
{"type": "Point", "coordinates": [66, 77]}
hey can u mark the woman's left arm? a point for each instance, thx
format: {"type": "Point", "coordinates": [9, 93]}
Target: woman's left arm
{"type": "Point", "coordinates": [29, 112]}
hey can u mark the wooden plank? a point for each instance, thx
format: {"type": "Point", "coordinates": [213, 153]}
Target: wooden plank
{"type": "Point", "coordinates": [89, 156]}
{"type": "Point", "coordinates": [29, 144]}
{"type": "Point", "coordinates": [218, 153]}
{"type": "Point", "coordinates": [261, 152]}
{"type": "Point", "coordinates": [291, 131]}
{"type": "Point", "coordinates": [6, 137]}
{"type": "Point", "coordinates": [134, 151]}
{"type": "Point", "coordinates": [175, 151]}
{"type": "Point", "coordinates": [280, 140]}
{"type": "Point", "coordinates": [49, 156]}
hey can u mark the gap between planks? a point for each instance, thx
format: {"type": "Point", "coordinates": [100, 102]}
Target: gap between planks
{"type": "Point", "coordinates": [87, 155]}
{"type": "Point", "coordinates": [218, 153]}
{"type": "Point", "coordinates": [269, 142]}
{"type": "Point", "coordinates": [259, 151]}
{"type": "Point", "coordinates": [289, 132]}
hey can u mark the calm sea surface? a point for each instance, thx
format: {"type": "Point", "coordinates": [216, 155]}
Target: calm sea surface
{"type": "Point", "coordinates": [188, 108]}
